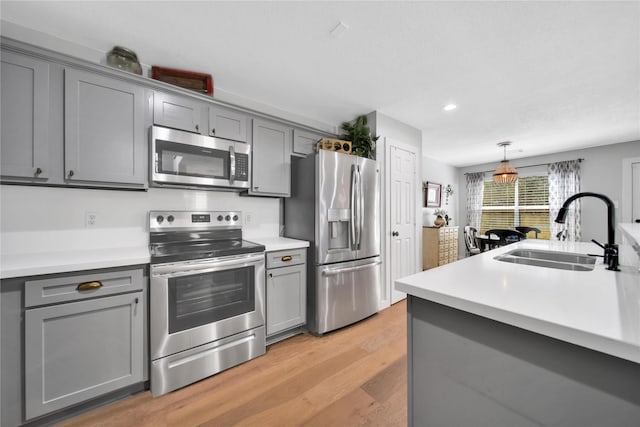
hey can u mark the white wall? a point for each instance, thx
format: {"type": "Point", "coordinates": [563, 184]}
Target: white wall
{"type": "Point", "coordinates": [38, 219]}
{"type": "Point", "coordinates": [444, 174]}
{"type": "Point", "coordinates": [48, 41]}
{"type": "Point", "coordinates": [601, 172]}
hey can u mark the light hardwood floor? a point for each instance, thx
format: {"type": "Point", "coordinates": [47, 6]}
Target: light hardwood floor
{"type": "Point", "coordinates": [354, 376]}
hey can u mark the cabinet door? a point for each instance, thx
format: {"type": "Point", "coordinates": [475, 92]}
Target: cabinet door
{"type": "Point", "coordinates": [304, 142]}
{"type": "Point", "coordinates": [286, 298]}
{"type": "Point", "coordinates": [81, 350]}
{"type": "Point", "coordinates": [227, 124]}
{"type": "Point", "coordinates": [177, 112]}
{"type": "Point", "coordinates": [104, 130]}
{"type": "Point", "coordinates": [25, 117]}
{"type": "Point", "coordinates": [271, 159]}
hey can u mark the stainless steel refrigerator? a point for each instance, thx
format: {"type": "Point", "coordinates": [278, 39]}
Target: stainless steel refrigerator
{"type": "Point", "coordinates": [335, 204]}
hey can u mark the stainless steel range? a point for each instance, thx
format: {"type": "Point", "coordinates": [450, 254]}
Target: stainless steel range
{"type": "Point", "coordinates": [207, 296]}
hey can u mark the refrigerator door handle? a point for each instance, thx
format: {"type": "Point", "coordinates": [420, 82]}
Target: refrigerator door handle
{"type": "Point", "coordinates": [360, 208]}
{"type": "Point", "coordinates": [357, 215]}
{"type": "Point", "coordinates": [352, 207]}
{"type": "Point", "coordinates": [335, 271]}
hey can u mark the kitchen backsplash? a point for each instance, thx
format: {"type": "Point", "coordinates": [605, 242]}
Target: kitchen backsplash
{"type": "Point", "coordinates": [40, 219]}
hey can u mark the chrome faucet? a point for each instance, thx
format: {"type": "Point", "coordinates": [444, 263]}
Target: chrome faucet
{"type": "Point", "coordinates": [610, 249]}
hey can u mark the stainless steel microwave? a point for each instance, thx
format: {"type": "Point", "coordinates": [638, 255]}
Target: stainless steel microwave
{"type": "Point", "coordinates": [181, 158]}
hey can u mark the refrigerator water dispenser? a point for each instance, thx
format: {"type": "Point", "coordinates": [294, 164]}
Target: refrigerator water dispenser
{"type": "Point", "coordinates": [338, 228]}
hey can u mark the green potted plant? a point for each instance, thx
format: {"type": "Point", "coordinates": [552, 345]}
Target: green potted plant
{"type": "Point", "coordinates": [363, 144]}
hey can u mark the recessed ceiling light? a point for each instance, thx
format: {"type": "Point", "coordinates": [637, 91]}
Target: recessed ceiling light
{"type": "Point", "coordinates": [449, 107]}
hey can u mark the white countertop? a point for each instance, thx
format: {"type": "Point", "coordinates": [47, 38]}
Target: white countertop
{"type": "Point", "coordinates": [597, 309]}
{"type": "Point", "coordinates": [31, 264]}
{"type": "Point", "coordinates": [280, 243]}
{"type": "Point", "coordinates": [632, 230]}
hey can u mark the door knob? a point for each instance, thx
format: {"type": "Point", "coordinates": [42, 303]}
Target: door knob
{"type": "Point", "coordinates": [395, 233]}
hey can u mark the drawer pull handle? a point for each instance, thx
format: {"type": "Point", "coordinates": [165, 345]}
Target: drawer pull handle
{"type": "Point", "coordinates": [87, 286]}
{"type": "Point", "coordinates": [286, 258]}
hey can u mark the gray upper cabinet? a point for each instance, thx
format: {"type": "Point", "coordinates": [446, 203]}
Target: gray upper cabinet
{"type": "Point", "coordinates": [227, 124]}
{"type": "Point", "coordinates": [104, 130]}
{"type": "Point", "coordinates": [271, 159]}
{"type": "Point", "coordinates": [25, 117]}
{"type": "Point", "coordinates": [304, 142]}
{"type": "Point", "coordinates": [177, 112]}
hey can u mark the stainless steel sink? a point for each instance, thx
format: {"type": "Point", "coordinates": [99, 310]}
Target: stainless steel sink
{"type": "Point", "coordinates": [550, 259]}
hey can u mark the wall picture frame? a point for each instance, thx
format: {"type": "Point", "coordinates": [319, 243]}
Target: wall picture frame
{"type": "Point", "coordinates": [432, 194]}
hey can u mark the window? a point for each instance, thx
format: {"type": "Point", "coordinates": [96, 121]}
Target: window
{"type": "Point", "coordinates": [524, 203]}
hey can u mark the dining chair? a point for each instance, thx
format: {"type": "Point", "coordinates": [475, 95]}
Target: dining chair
{"type": "Point", "coordinates": [505, 236]}
{"type": "Point", "coordinates": [527, 230]}
{"type": "Point", "coordinates": [470, 234]}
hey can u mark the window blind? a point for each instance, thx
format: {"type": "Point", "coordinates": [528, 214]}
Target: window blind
{"type": "Point", "coordinates": [523, 203]}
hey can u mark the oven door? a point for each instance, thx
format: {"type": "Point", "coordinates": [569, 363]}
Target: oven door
{"type": "Point", "coordinates": [197, 302]}
{"type": "Point", "coordinates": [183, 158]}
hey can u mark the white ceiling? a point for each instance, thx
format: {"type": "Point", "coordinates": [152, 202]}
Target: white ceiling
{"type": "Point", "coordinates": [549, 76]}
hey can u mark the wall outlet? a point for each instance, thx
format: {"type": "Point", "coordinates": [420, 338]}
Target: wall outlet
{"type": "Point", "coordinates": [90, 219]}
{"type": "Point", "coordinates": [248, 217]}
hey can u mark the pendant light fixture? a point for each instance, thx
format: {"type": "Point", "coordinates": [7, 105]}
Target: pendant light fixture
{"type": "Point", "coordinates": [505, 173]}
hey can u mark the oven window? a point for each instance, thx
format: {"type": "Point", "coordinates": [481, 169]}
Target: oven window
{"type": "Point", "coordinates": [201, 299]}
{"type": "Point", "coordinates": [188, 160]}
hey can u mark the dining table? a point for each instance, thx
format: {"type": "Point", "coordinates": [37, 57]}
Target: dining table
{"type": "Point", "coordinates": [486, 243]}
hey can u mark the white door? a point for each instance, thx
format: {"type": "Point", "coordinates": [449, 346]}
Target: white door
{"type": "Point", "coordinates": [631, 190]}
{"type": "Point", "coordinates": [401, 202]}
{"type": "Point", "coordinates": [635, 187]}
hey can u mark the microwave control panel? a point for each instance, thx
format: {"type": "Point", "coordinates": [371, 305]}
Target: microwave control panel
{"type": "Point", "coordinates": [242, 167]}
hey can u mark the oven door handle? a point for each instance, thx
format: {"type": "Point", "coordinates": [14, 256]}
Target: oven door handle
{"type": "Point", "coordinates": [206, 266]}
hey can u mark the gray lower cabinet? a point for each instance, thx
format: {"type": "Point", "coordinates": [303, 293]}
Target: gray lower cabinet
{"type": "Point", "coordinates": [25, 117]}
{"type": "Point", "coordinates": [178, 112]}
{"type": "Point", "coordinates": [228, 124]}
{"type": "Point", "coordinates": [286, 289]}
{"type": "Point", "coordinates": [304, 142]}
{"type": "Point", "coordinates": [81, 350]}
{"type": "Point", "coordinates": [71, 341]}
{"type": "Point", "coordinates": [468, 370]}
{"type": "Point", "coordinates": [104, 130]}
{"type": "Point", "coordinates": [271, 159]}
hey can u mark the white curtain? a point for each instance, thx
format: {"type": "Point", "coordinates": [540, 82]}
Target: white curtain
{"type": "Point", "coordinates": [564, 181]}
{"type": "Point", "coordinates": [475, 188]}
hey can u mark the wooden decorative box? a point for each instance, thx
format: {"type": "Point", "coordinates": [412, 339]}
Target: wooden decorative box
{"type": "Point", "coordinates": [199, 82]}
{"type": "Point", "coordinates": [335, 145]}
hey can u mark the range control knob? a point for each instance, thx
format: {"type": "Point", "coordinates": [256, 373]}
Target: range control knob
{"type": "Point", "coordinates": [159, 218]}
{"type": "Point", "coordinates": [235, 217]}
{"type": "Point", "coordinates": [228, 217]}
{"type": "Point", "coordinates": [220, 218]}
{"type": "Point", "coordinates": [170, 218]}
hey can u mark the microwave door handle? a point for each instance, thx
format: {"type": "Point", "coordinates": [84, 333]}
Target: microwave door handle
{"type": "Point", "coordinates": [232, 164]}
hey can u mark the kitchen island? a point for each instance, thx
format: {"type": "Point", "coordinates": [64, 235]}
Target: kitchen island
{"type": "Point", "coordinates": [493, 343]}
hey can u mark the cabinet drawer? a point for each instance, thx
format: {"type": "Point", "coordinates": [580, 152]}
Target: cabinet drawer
{"type": "Point", "coordinates": [286, 258]}
{"type": "Point", "coordinates": [69, 288]}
